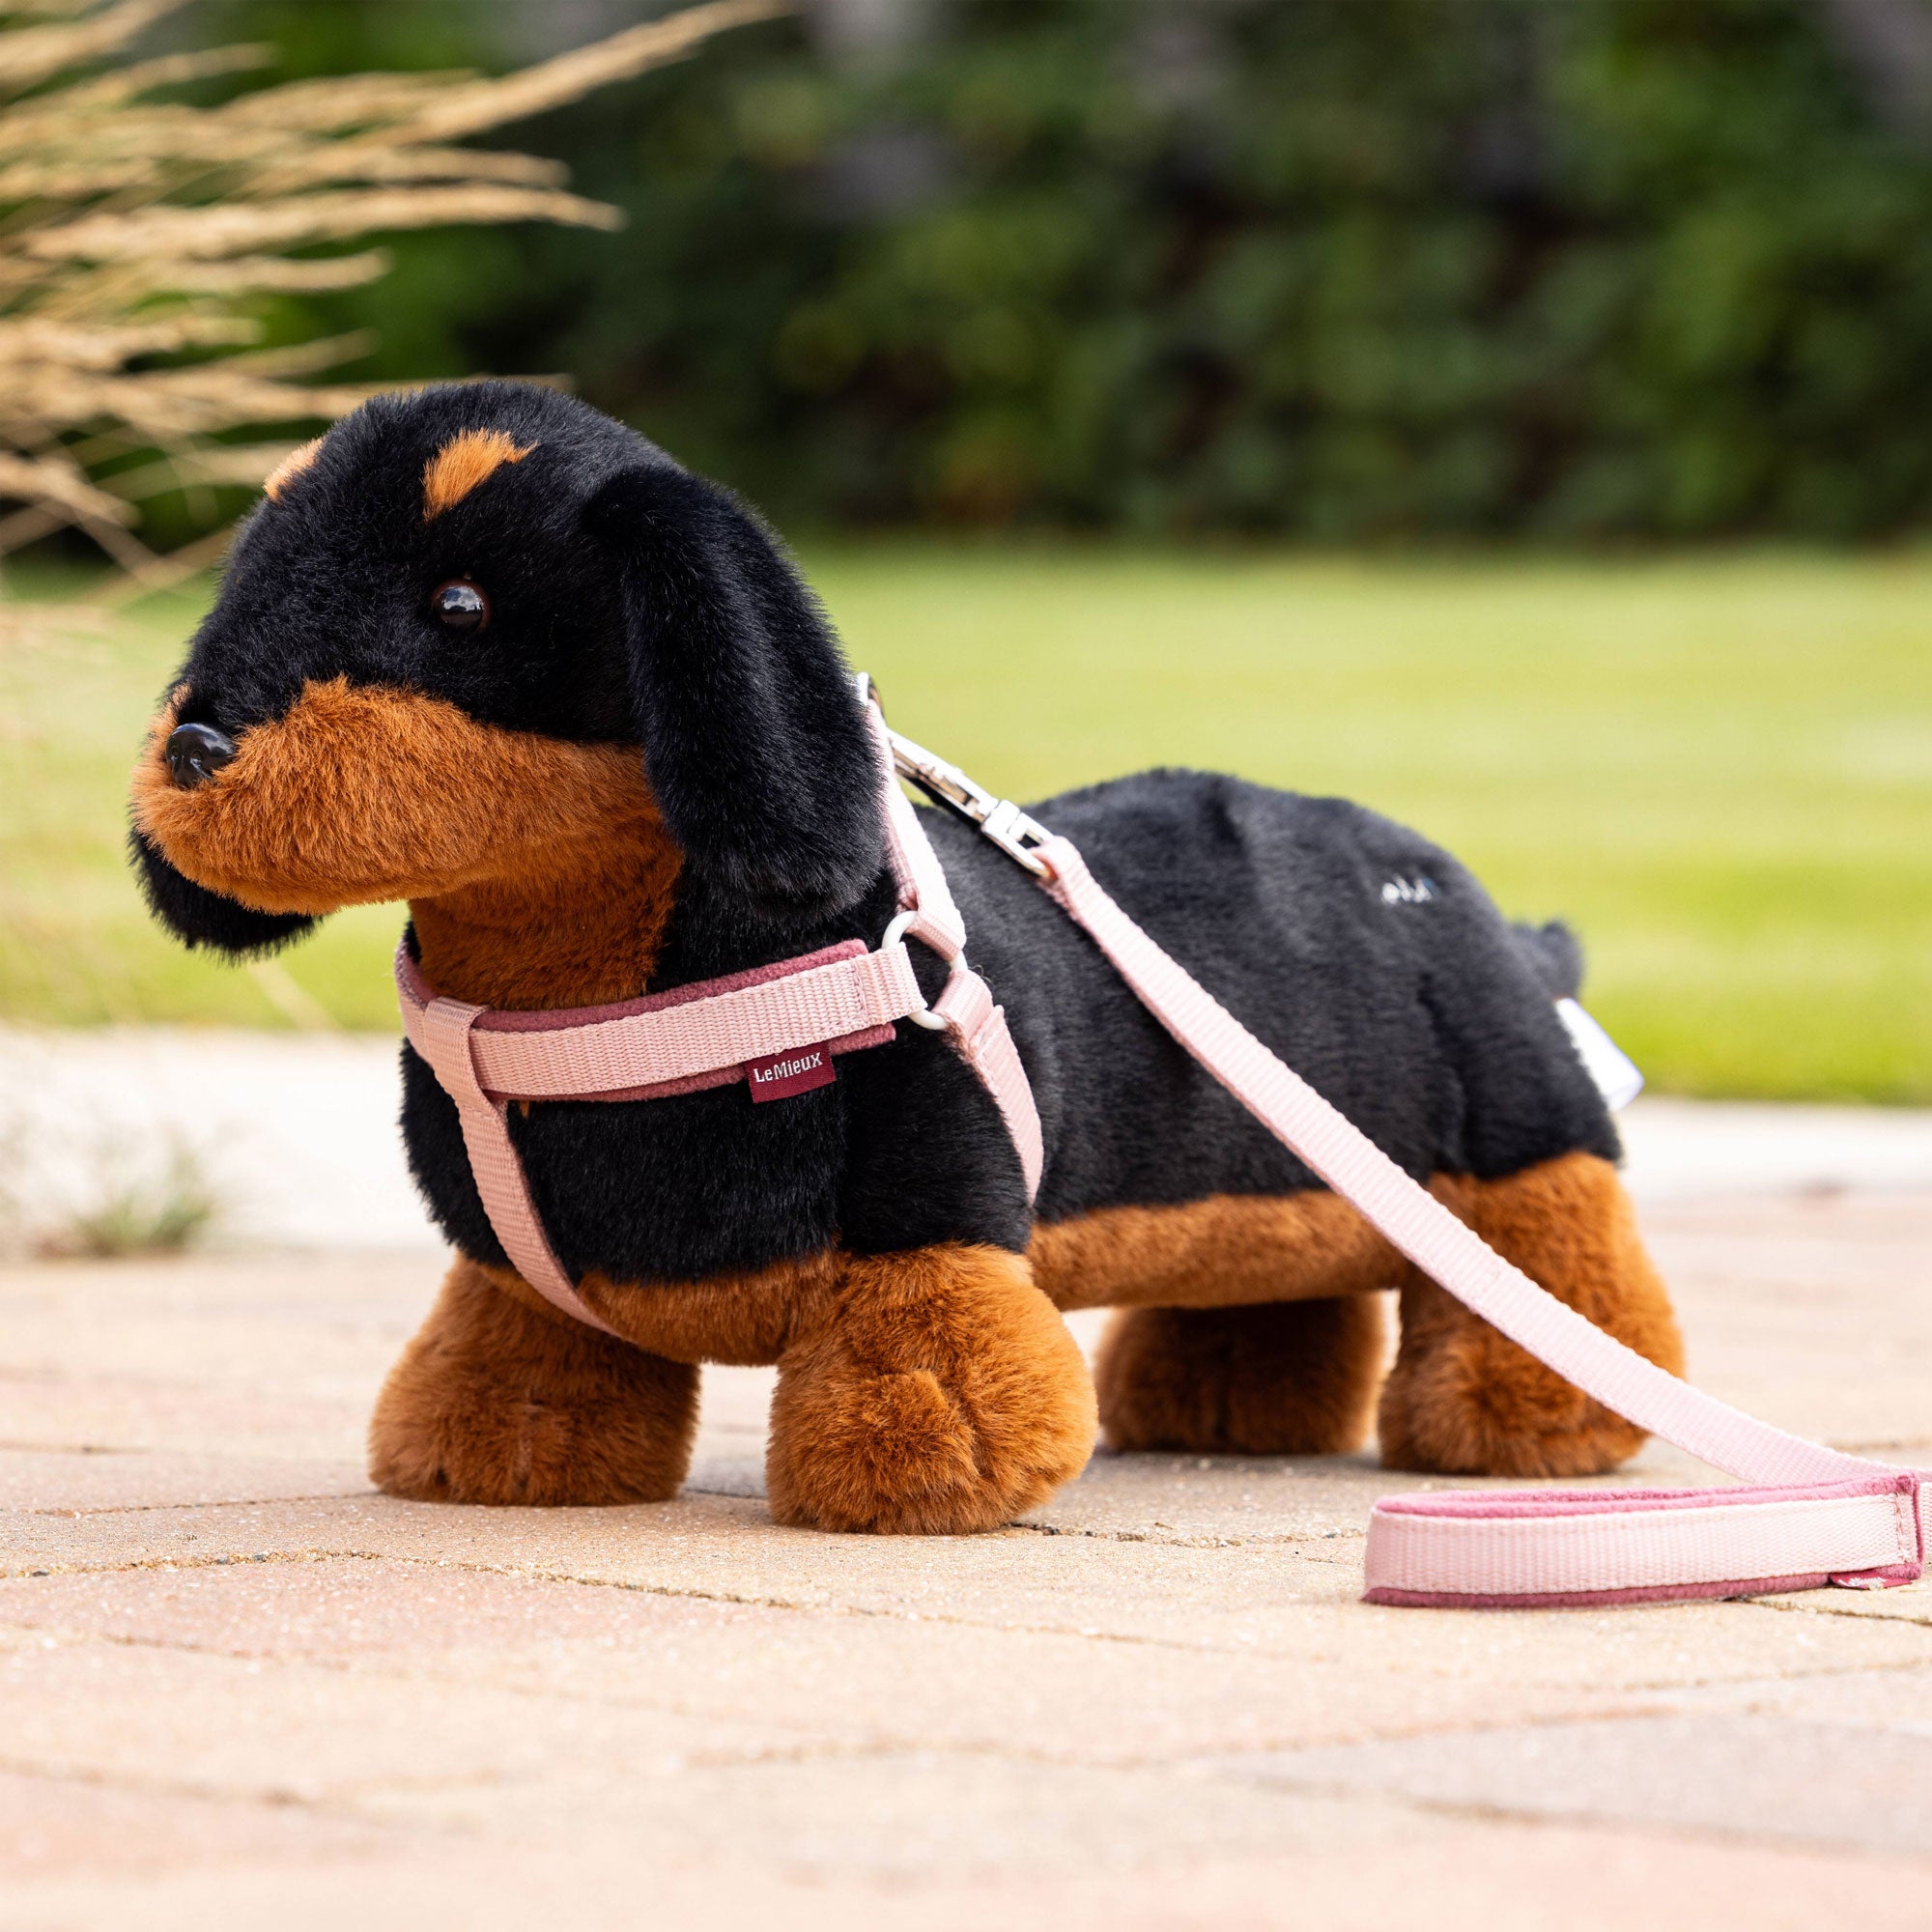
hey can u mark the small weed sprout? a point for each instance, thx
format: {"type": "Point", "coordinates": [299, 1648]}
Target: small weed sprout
{"type": "Point", "coordinates": [137, 1198]}
{"type": "Point", "coordinates": [135, 1214]}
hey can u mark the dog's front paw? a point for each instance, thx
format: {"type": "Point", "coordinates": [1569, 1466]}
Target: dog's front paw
{"type": "Point", "coordinates": [945, 1396]}
{"type": "Point", "coordinates": [493, 1402]}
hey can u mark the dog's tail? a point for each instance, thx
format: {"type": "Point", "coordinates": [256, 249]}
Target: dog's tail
{"type": "Point", "coordinates": [1556, 957]}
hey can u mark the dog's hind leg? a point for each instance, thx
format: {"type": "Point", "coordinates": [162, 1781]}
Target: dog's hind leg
{"type": "Point", "coordinates": [940, 1394]}
{"type": "Point", "coordinates": [497, 1399]}
{"type": "Point", "coordinates": [1273, 1378]}
{"type": "Point", "coordinates": [1462, 1400]}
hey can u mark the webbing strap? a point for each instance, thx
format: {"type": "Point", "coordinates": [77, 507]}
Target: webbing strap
{"type": "Point", "coordinates": [844, 995]}
{"type": "Point", "coordinates": [442, 1034]}
{"type": "Point", "coordinates": [966, 1006]}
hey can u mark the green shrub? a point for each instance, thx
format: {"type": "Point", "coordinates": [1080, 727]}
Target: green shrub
{"type": "Point", "coordinates": [1337, 268]}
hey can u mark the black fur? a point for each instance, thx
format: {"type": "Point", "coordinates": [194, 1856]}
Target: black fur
{"type": "Point", "coordinates": [198, 917]}
{"type": "Point", "coordinates": [751, 728]}
{"type": "Point", "coordinates": [1557, 955]}
{"type": "Point", "coordinates": [635, 602]}
{"type": "Point", "coordinates": [1422, 1020]}
{"type": "Point", "coordinates": [334, 579]}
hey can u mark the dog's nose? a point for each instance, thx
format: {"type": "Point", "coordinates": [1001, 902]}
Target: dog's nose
{"type": "Point", "coordinates": [196, 753]}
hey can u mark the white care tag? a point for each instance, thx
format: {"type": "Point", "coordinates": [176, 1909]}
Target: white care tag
{"type": "Point", "coordinates": [1605, 1061]}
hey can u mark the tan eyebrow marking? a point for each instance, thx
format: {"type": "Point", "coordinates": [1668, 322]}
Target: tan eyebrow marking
{"type": "Point", "coordinates": [463, 463]}
{"type": "Point", "coordinates": [289, 468]}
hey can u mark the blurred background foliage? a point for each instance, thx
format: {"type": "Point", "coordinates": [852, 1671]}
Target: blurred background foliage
{"type": "Point", "coordinates": [143, 234]}
{"type": "Point", "coordinates": [1185, 301]}
{"type": "Point", "coordinates": [1334, 269]}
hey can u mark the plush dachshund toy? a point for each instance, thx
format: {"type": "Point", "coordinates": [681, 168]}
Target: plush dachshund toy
{"type": "Point", "coordinates": [485, 650]}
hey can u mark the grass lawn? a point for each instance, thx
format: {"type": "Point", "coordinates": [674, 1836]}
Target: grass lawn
{"type": "Point", "coordinates": [1719, 769]}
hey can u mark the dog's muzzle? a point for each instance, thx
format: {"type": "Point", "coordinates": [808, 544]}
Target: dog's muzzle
{"type": "Point", "coordinates": [195, 752]}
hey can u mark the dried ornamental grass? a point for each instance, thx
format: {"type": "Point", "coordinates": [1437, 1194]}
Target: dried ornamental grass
{"type": "Point", "coordinates": [137, 234]}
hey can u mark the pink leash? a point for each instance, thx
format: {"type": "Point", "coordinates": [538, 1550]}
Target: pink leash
{"type": "Point", "coordinates": [1803, 1517]}
{"type": "Point", "coordinates": [1808, 1517]}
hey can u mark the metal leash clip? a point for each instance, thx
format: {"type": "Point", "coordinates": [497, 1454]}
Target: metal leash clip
{"type": "Point", "coordinates": [997, 818]}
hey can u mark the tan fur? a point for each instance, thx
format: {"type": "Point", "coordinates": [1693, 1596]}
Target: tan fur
{"type": "Point", "coordinates": [939, 1392]}
{"type": "Point", "coordinates": [1284, 1379]}
{"type": "Point", "coordinates": [539, 873]}
{"type": "Point", "coordinates": [289, 468]}
{"type": "Point", "coordinates": [933, 1392]}
{"type": "Point", "coordinates": [360, 793]}
{"type": "Point", "coordinates": [748, 1319]}
{"type": "Point", "coordinates": [582, 930]}
{"type": "Point", "coordinates": [1227, 1249]}
{"type": "Point", "coordinates": [1461, 1398]}
{"type": "Point", "coordinates": [495, 1402]}
{"type": "Point", "coordinates": [465, 461]}
{"type": "Point", "coordinates": [943, 1395]}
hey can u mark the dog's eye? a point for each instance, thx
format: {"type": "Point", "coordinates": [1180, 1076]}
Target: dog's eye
{"type": "Point", "coordinates": [460, 604]}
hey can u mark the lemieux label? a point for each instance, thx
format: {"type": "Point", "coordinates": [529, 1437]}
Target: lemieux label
{"type": "Point", "coordinates": [780, 1075]}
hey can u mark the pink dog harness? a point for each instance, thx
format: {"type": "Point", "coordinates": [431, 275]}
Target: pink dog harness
{"type": "Point", "coordinates": [777, 1028]}
{"type": "Point", "coordinates": [1802, 1516]}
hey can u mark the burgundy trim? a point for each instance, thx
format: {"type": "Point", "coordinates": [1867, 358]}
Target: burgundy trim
{"type": "Point", "coordinates": [730, 1076]}
{"type": "Point", "coordinates": [1596, 1600]}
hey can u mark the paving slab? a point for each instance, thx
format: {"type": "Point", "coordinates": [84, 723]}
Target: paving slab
{"type": "Point", "coordinates": [1811, 1311]}
{"type": "Point", "coordinates": [1350, 1865]}
{"type": "Point", "coordinates": [1897, 1700]}
{"type": "Point", "coordinates": [1754, 1775]}
{"type": "Point", "coordinates": [52, 1826]}
{"type": "Point", "coordinates": [168, 1718]}
{"type": "Point", "coordinates": [107, 1414]}
{"type": "Point", "coordinates": [234, 1683]}
{"type": "Point", "coordinates": [1295, 1603]}
{"type": "Point", "coordinates": [1911, 1604]}
{"type": "Point", "coordinates": [67, 1482]}
{"type": "Point", "coordinates": [850, 1681]}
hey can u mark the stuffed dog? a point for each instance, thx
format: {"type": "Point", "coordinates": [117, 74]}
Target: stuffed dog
{"type": "Point", "coordinates": [485, 650]}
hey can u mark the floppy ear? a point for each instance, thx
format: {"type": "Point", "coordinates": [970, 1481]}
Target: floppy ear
{"type": "Point", "coordinates": [754, 740]}
{"type": "Point", "coordinates": [198, 917]}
